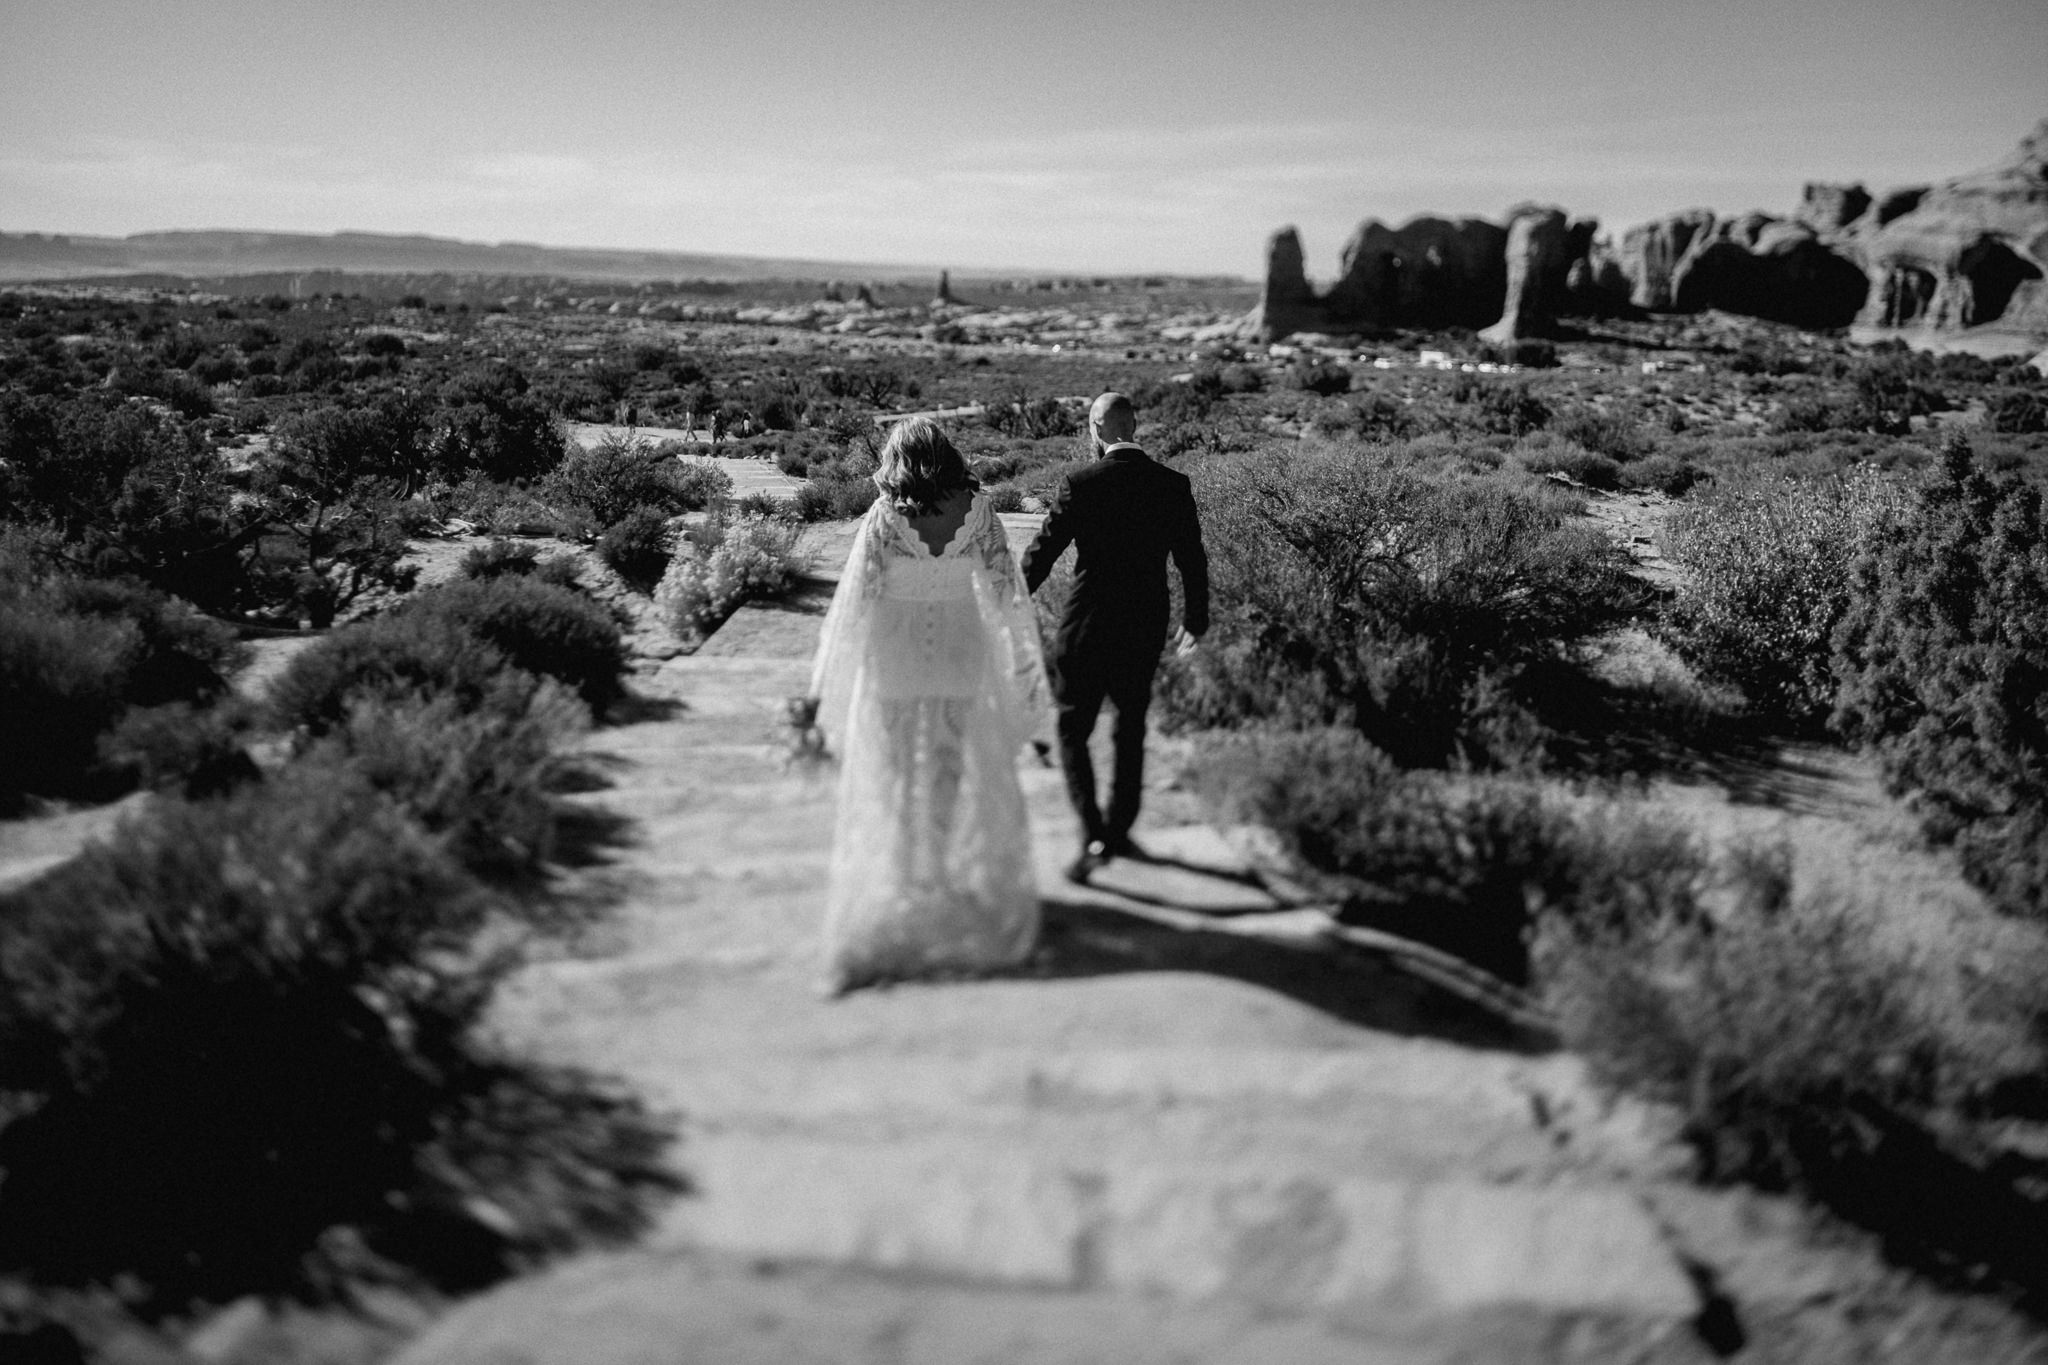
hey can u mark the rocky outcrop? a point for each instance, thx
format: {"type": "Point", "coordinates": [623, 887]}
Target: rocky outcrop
{"type": "Point", "coordinates": [1546, 254]}
{"type": "Point", "coordinates": [1772, 268]}
{"type": "Point", "coordinates": [1966, 252]}
{"type": "Point", "coordinates": [1651, 252]}
{"type": "Point", "coordinates": [1288, 303]}
{"type": "Point", "coordinates": [1830, 208]}
{"type": "Point", "coordinates": [1429, 272]}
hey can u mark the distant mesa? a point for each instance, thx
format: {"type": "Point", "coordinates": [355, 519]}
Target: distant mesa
{"type": "Point", "coordinates": [234, 253]}
{"type": "Point", "coordinates": [1968, 252]}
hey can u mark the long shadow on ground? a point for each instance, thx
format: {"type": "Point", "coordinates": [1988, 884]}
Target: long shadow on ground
{"type": "Point", "coordinates": [1084, 939]}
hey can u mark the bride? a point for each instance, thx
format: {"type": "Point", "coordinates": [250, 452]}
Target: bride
{"type": "Point", "coordinates": [928, 680]}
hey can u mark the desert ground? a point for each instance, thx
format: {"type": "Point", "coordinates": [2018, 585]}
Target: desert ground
{"type": "Point", "coordinates": [1652, 1016]}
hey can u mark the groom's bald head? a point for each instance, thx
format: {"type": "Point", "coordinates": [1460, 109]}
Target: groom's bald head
{"type": "Point", "coordinates": [1112, 419]}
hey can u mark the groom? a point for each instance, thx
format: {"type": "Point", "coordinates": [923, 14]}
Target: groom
{"type": "Point", "coordinates": [1125, 515]}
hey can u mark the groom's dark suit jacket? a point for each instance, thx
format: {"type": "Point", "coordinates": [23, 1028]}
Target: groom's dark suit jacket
{"type": "Point", "coordinates": [1125, 514]}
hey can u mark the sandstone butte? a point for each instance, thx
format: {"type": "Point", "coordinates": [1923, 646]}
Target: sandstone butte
{"type": "Point", "coordinates": [1967, 253]}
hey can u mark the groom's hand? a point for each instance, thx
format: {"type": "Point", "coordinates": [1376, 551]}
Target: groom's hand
{"type": "Point", "coordinates": [1184, 643]}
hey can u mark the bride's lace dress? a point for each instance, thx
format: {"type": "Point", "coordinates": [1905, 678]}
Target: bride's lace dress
{"type": "Point", "coordinates": [929, 680]}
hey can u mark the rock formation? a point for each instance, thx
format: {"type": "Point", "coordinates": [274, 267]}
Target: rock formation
{"type": "Point", "coordinates": [1650, 253]}
{"type": "Point", "coordinates": [1288, 303]}
{"type": "Point", "coordinates": [1966, 252]}
{"type": "Point", "coordinates": [1545, 250]}
{"type": "Point", "coordinates": [1771, 268]}
{"type": "Point", "coordinates": [1429, 272]}
{"type": "Point", "coordinates": [1830, 208]}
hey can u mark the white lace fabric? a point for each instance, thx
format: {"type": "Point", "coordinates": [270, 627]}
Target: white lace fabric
{"type": "Point", "coordinates": [929, 678]}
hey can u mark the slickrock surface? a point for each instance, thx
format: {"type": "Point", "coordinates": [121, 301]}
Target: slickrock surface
{"type": "Point", "coordinates": [1194, 1128]}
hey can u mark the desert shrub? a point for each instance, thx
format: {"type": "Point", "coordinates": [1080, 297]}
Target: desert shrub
{"type": "Point", "coordinates": [178, 655]}
{"type": "Point", "coordinates": [1767, 577]}
{"type": "Point", "coordinates": [835, 497]}
{"type": "Point", "coordinates": [1784, 1037]}
{"type": "Point", "coordinates": [609, 480]}
{"type": "Point", "coordinates": [59, 691]}
{"type": "Point", "coordinates": [479, 781]}
{"type": "Point", "coordinates": [1019, 414]}
{"type": "Point", "coordinates": [1507, 409]}
{"type": "Point", "coordinates": [1322, 377]}
{"type": "Point", "coordinates": [503, 558]}
{"type": "Point", "coordinates": [811, 502]}
{"type": "Point", "coordinates": [75, 654]}
{"type": "Point", "coordinates": [387, 438]}
{"type": "Point", "coordinates": [1467, 865]}
{"type": "Point", "coordinates": [794, 459]}
{"type": "Point", "coordinates": [502, 509]}
{"type": "Point", "coordinates": [1170, 405]}
{"type": "Point", "coordinates": [394, 659]}
{"type": "Point", "coordinates": [195, 751]}
{"type": "Point", "coordinates": [782, 410]}
{"type": "Point", "coordinates": [133, 493]}
{"type": "Point", "coordinates": [1574, 462]}
{"type": "Point", "coordinates": [637, 548]}
{"type": "Point", "coordinates": [1667, 474]}
{"type": "Point", "coordinates": [543, 628]}
{"type": "Point", "coordinates": [875, 385]}
{"type": "Point", "coordinates": [499, 558]}
{"type": "Point", "coordinates": [2019, 411]}
{"type": "Point", "coordinates": [1768, 357]}
{"type": "Point", "coordinates": [1350, 589]}
{"type": "Point", "coordinates": [1943, 660]}
{"type": "Point", "coordinates": [1238, 378]}
{"type": "Point", "coordinates": [1618, 437]}
{"type": "Point", "coordinates": [1817, 412]}
{"type": "Point", "coordinates": [1382, 417]}
{"type": "Point", "coordinates": [1883, 395]}
{"type": "Point", "coordinates": [239, 1042]}
{"type": "Point", "coordinates": [748, 559]}
{"type": "Point", "coordinates": [1798, 1052]}
{"type": "Point", "coordinates": [760, 503]}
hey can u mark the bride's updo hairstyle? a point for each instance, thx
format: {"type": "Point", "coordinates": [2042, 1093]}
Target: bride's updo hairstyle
{"type": "Point", "coordinates": [920, 468]}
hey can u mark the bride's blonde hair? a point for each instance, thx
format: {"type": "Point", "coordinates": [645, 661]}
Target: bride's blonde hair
{"type": "Point", "coordinates": [920, 468]}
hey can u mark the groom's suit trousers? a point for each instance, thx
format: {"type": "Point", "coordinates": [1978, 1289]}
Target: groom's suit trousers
{"type": "Point", "coordinates": [1079, 687]}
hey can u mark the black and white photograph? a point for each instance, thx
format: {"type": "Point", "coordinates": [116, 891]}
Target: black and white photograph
{"type": "Point", "coordinates": [1140, 683]}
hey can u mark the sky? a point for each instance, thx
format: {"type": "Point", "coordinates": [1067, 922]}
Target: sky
{"type": "Point", "coordinates": [1037, 135]}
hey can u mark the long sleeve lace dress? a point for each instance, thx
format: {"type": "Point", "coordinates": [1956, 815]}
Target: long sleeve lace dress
{"type": "Point", "coordinates": [929, 679]}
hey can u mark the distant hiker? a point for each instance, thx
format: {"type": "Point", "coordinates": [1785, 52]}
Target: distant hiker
{"type": "Point", "coordinates": [1125, 515]}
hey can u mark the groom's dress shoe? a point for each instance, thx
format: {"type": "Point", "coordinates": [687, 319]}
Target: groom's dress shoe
{"type": "Point", "coordinates": [1123, 846]}
{"type": "Point", "coordinates": [1083, 867]}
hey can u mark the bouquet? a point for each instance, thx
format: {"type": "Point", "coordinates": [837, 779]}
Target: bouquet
{"type": "Point", "coordinates": [807, 749]}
